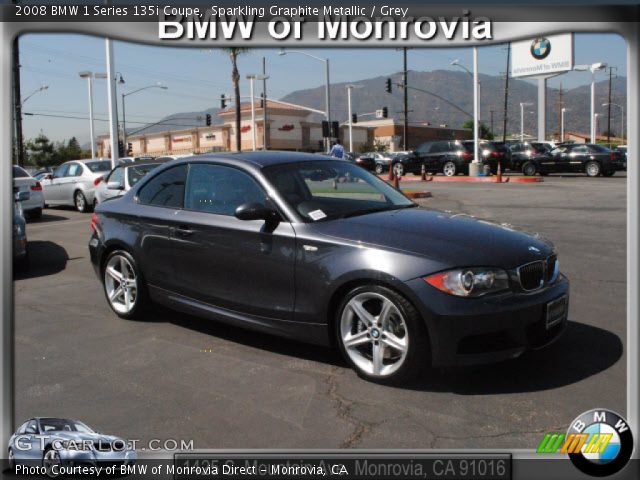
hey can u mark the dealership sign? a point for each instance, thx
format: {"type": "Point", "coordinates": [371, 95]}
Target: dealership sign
{"type": "Point", "coordinates": [552, 54]}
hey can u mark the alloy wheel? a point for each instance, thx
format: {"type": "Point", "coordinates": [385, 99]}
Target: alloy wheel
{"type": "Point", "coordinates": [81, 202]}
{"type": "Point", "coordinates": [51, 459]}
{"type": "Point", "coordinates": [379, 168]}
{"type": "Point", "coordinates": [593, 169]}
{"type": "Point", "coordinates": [449, 169]}
{"type": "Point", "coordinates": [374, 334]}
{"type": "Point", "coordinates": [121, 284]}
{"type": "Point", "coordinates": [398, 169]}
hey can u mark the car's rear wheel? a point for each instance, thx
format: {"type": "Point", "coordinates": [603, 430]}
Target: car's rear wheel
{"type": "Point", "coordinates": [592, 169]}
{"type": "Point", "coordinates": [80, 201]}
{"type": "Point", "coordinates": [124, 286]}
{"type": "Point", "coordinates": [529, 169]}
{"type": "Point", "coordinates": [379, 168]}
{"type": "Point", "coordinates": [50, 460]}
{"type": "Point", "coordinates": [12, 460]}
{"type": "Point", "coordinates": [608, 173]}
{"type": "Point", "coordinates": [35, 214]}
{"type": "Point", "coordinates": [398, 169]}
{"type": "Point", "coordinates": [381, 335]}
{"type": "Point", "coordinates": [449, 169]}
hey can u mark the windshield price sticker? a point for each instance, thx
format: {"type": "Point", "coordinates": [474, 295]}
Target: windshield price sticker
{"type": "Point", "coordinates": [314, 466]}
{"type": "Point", "coordinates": [317, 215]}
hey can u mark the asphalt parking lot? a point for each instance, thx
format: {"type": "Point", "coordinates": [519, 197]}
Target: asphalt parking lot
{"type": "Point", "coordinates": [181, 377]}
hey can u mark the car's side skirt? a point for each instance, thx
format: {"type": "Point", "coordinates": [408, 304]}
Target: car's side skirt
{"type": "Point", "coordinates": [315, 333]}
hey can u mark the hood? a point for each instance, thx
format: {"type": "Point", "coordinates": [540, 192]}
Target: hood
{"type": "Point", "coordinates": [83, 436]}
{"type": "Point", "coordinates": [455, 240]}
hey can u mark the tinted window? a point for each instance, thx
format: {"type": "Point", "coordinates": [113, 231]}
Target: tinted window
{"type": "Point", "coordinates": [218, 189]}
{"type": "Point", "coordinates": [19, 173]}
{"type": "Point", "coordinates": [99, 167]}
{"type": "Point", "coordinates": [423, 148]}
{"type": "Point", "coordinates": [22, 428]}
{"type": "Point", "coordinates": [61, 171]}
{"type": "Point", "coordinates": [32, 427]}
{"type": "Point", "coordinates": [75, 170]}
{"type": "Point", "coordinates": [598, 149]}
{"type": "Point", "coordinates": [165, 189]}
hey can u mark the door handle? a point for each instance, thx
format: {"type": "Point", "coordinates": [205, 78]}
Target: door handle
{"type": "Point", "coordinates": [184, 231]}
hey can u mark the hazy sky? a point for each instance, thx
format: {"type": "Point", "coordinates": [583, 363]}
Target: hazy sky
{"type": "Point", "coordinates": [197, 77]}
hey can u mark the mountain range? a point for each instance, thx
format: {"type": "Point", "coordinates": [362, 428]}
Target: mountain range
{"type": "Point", "coordinates": [452, 87]}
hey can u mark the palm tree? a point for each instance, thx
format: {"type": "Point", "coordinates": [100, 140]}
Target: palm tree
{"type": "Point", "coordinates": [235, 79]}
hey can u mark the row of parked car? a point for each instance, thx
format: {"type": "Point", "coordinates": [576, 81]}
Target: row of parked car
{"type": "Point", "coordinates": [452, 157]}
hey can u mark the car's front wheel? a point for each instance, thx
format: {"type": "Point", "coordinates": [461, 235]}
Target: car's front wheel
{"type": "Point", "coordinates": [379, 168]}
{"type": "Point", "coordinates": [12, 460]}
{"type": "Point", "coordinates": [381, 335]}
{"type": "Point", "coordinates": [80, 201]}
{"type": "Point", "coordinates": [398, 169]}
{"type": "Point", "coordinates": [50, 460]}
{"type": "Point", "coordinates": [124, 286]}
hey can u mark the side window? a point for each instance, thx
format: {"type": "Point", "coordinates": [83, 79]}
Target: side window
{"type": "Point", "coordinates": [219, 189]}
{"type": "Point", "coordinates": [117, 176]}
{"type": "Point", "coordinates": [75, 170]}
{"type": "Point", "coordinates": [61, 171]}
{"type": "Point", "coordinates": [580, 150]}
{"type": "Point", "coordinates": [165, 189]}
{"type": "Point", "coordinates": [423, 148]}
{"type": "Point", "coordinates": [32, 427]}
{"type": "Point", "coordinates": [22, 428]}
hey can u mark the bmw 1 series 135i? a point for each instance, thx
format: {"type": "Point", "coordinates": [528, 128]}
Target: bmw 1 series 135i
{"type": "Point", "coordinates": [320, 250]}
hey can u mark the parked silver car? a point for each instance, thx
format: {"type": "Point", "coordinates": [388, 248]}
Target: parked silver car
{"type": "Point", "coordinates": [20, 253]}
{"type": "Point", "coordinates": [120, 180]}
{"type": "Point", "coordinates": [74, 183]}
{"type": "Point", "coordinates": [23, 182]}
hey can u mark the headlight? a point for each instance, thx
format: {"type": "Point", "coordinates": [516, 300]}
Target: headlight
{"type": "Point", "coordinates": [470, 282]}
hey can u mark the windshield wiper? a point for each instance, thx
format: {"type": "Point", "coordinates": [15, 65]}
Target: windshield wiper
{"type": "Point", "coordinates": [366, 211]}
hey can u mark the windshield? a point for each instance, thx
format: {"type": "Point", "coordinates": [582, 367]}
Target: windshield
{"type": "Point", "coordinates": [19, 173]}
{"type": "Point", "coordinates": [326, 189]}
{"type": "Point", "coordinates": [101, 166]}
{"type": "Point", "coordinates": [138, 171]}
{"type": "Point", "coordinates": [63, 425]}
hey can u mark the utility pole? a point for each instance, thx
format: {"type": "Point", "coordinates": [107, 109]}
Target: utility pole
{"type": "Point", "coordinates": [560, 106]}
{"type": "Point", "coordinates": [405, 74]}
{"type": "Point", "coordinates": [264, 106]}
{"type": "Point", "coordinates": [17, 100]}
{"type": "Point", "coordinates": [491, 114]}
{"type": "Point", "coordinates": [609, 106]}
{"type": "Point", "coordinates": [506, 95]}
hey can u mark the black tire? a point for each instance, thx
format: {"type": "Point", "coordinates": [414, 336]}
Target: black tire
{"type": "Point", "coordinates": [418, 356]}
{"type": "Point", "coordinates": [593, 169]}
{"type": "Point", "coordinates": [142, 304]}
{"type": "Point", "coordinates": [379, 168]}
{"type": "Point", "coordinates": [80, 202]}
{"type": "Point", "coordinates": [35, 214]}
{"type": "Point", "coordinates": [609, 173]}
{"type": "Point", "coordinates": [11, 460]}
{"type": "Point", "coordinates": [49, 451]}
{"type": "Point", "coordinates": [529, 169]}
{"type": "Point", "coordinates": [398, 169]}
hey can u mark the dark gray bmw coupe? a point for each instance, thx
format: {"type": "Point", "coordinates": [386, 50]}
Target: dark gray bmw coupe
{"type": "Point", "coordinates": [320, 250]}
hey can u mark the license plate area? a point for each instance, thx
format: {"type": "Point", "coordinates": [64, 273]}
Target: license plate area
{"type": "Point", "coordinates": [556, 311]}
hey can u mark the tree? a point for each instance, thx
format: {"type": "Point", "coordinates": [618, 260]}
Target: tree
{"type": "Point", "coordinates": [41, 152]}
{"type": "Point", "coordinates": [483, 130]}
{"type": "Point", "coordinates": [233, 53]}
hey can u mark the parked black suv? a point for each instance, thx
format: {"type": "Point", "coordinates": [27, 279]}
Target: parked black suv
{"type": "Point", "coordinates": [522, 152]}
{"type": "Point", "coordinates": [589, 158]}
{"type": "Point", "coordinates": [491, 153]}
{"type": "Point", "coordinates": [449, 157]}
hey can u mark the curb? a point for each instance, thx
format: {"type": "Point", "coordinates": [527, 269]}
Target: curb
{"type": "Point", "coordinates": [492, 179]}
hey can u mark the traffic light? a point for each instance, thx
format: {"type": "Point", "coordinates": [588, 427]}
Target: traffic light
{"type": "Point", "coordinates": [335, 129]}
{"type": "Point", "coordinates": [129, 148]}
{"type": "Point", "coordinates": [385, 112]}
{"type": "Point", "coordinates": [388, 86]}
{"type": "Point", "coordinates": [208, 117]}
{"type": "Point", "coordinates": [325, 129]}
{"type": "Point", "coordinates": [223, 102]}
{"type": "Point", "coordinates": [354, 118]}
{"type": "Point", "coordinates": [120, 148]}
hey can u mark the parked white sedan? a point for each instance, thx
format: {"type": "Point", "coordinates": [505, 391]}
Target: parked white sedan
{"type": "Point", "coordinates": [74, 183]}
{"type": "Point", "coordinates": [121, 179]}
{"type": "Point", "coordinates": [23, 182]}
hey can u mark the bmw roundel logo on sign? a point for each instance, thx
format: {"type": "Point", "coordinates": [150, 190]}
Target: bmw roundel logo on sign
{"type": "Point", "coordinates": [607, 444]}
{"type": "Point", "coordinates": [540, 48]}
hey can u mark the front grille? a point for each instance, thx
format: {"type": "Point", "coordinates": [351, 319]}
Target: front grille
{"type": "Point", "coordinates": [551, 269]}
{"type": "Point", "coordinates": [532, 275]}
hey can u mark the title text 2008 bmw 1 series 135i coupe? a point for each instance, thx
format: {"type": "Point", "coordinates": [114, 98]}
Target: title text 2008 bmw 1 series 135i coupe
{"type": "Point", "coordinates": [320, 250]}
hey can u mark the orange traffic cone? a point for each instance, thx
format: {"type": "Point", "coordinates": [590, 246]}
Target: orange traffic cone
{"type": "Point", "coordinates": [391, 175]}
{"type": "Point", "coordinates": [499, 173]}
{"type": "Point", "coordinates": [396, 182]}
{"type": "Point", "coordinates": [423, 175]}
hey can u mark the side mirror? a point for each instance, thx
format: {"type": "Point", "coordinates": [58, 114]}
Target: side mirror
{"type": "Point", "coordinates": [255, 211]}
{"type": "Point", "coordinates": [115, 186]}
{"type": "Point", "coordinates": [22, 196]}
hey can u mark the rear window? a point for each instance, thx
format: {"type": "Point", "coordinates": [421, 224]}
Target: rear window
{"type": "Point", "coordinates": [165, 189]}
{"type": "Point", "coordinates": [99, 167]}
{"type": "Point", "coordinates": [19, 172]}
{"type": "Point", "coordinates": [599, 149]}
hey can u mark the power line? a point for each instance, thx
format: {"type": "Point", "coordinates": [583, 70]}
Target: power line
{"type": "Point", "coordinates": [72, 117]}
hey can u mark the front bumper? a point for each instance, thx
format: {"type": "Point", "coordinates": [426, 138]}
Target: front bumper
{"type": "Point", "coordinates": [485, 330]}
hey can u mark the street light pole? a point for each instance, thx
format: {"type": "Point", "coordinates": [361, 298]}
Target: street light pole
{"type": "Point", "coordinates": [562, 112]}
{"type": "Point", "coordinates": [621, 116]}
{"type": "Point", "coordinates": [349, 88]}
{"type": "Point", "coordinates": [124, 117]}
{"type": "Point", "coordinates": [89, 76]}
{"type": "Point", "coordinates": [522, 105]}
{"type": "Point", "coordinates": [252, 77]}
{"type": "Point", "coordinates": [476, 108]}
{"type": "Point", "coordinates": [327, 86]}
{"type": "Point", "coordinates": [595, 128]}
{"type": "Point", "coordinates": [593, 68]}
